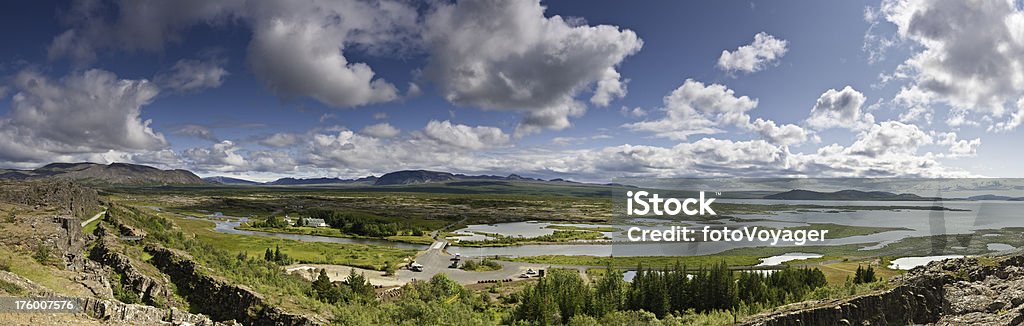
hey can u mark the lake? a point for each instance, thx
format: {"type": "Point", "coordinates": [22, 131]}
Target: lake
{"type": "Point", "coordinates": [908, 263]}
{"type": "Point", "coordinates": [978, 215]}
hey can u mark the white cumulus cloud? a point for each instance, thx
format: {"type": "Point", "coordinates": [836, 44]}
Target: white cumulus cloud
{"type": "Point", "coordinates": [508, 56]}
{"type": "Point", "coordinates": [381, 130]}
{"type": "Point", "coordinates": [842, 108]}
{"type": "Point", "coordinates": [969, 54]}
{"type": "Point", "coordinates": [463, 136]}
{"type": "Point", "coordinates": [695, 108]}
{"type": "Point", "coordinates": [87, 112]}
{"type": "Point", "coordinates": [765, 50]}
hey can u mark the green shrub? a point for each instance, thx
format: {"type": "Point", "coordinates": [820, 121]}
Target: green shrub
{"type": "Point", "coordinates": [43, 254]}
{"type": "Point", "coordinates": [11, 288]}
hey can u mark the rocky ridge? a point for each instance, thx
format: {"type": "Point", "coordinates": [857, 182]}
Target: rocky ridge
{"type": "Point", "coordinates": [966, 291]}
{"type": "Point", "coordinates": [63, 196]}
{"type": "Point", "coordinates": [99, 311]}
{"type": "Point", "coordinates": [151, 290]}
{"type": "Point", "coordinates": [219, 298]}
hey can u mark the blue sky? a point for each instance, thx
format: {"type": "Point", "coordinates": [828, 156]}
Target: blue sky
{"type": "Point", "coordinates": [586, 90]}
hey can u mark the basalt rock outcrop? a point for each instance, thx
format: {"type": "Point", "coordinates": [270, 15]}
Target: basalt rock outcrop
{"type": "Point", "coordinates": [967, 291]}
{"type": "Point", "coordinates": [116, 312]}
{"type": "Point", "coordinates": [152, 290]}
{"type": "Point", "coordinates": [67, 197]}
{"type": "Point", "coordinates": [110, 312]}
{"type": "Point", "coordinates": [218, 298]}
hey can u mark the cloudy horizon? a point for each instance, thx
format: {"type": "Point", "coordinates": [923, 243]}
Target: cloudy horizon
{"type": "Point", "coordinates": [583, 91]}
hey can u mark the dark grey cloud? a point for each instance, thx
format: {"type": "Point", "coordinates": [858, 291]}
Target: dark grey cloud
{"type": "Point", "coordinates": [192, 75]}
{"type": "Point", "coordinates": [297, 48]}
{"type": "Point", "coordinates": [197, 131]}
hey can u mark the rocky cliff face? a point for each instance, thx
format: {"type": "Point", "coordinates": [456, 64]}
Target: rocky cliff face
{"type": "Point", "coordinates": [49, 216]}
{"type": "Point", "coordinates": [66, 197]}
{"type": "Point", "coordinates": [154, 291]}
{"type": "Point", "coordinates": [219, 298]}
{"type": "Point", "coordinates": [978, 291]}
{"type": "Point", "coordinates": [116, 312]}
{"type": "Point", "coordinates": [96, 309]}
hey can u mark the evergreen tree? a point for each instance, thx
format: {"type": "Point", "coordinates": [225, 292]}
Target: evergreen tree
{"type": "Point", "coordinates": [360, 288]}
{"type": "Point", "coordinates": [864, 275]}
{"type": "Point", "coordinates": [609, 295]}
{"type": "Point", "coordinates": [325, 289]}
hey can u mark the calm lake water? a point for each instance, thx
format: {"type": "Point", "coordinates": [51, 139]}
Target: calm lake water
{"type": "Point", "coordinates": [778, 260]}
{"type": "Point", "coordinates": [908, 263]}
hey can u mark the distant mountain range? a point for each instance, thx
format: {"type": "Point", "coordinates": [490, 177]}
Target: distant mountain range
{"type": "Point", "coordinates": [423, 176]}
{"type": "Point", "coordinates": [229, 181]}
{"type": "Point", "coordinates": [134, 174]}
{"type": "Point", "coordinates": [397, 178]}
{"type": "Point", "coordinates": [114, 173]}
{"type": "Point", "coordinates": [321, 181]}
{"type": "Point", "coordinates": [800, 194]}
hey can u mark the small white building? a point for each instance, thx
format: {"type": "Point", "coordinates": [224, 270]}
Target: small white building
{"type": "Point", "coordinates": [315, 222]}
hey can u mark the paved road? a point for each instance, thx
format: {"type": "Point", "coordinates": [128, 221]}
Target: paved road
{"type": "Point", "coordinates": [435, 260]}
{"type": "Point", "coordinates": [96, 217]}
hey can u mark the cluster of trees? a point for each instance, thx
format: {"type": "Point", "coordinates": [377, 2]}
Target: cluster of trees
{"type": "Point", "coordinates": [271, 222]}
{"type": "Point", "coordinates": [864, 275]}
{"type": "Point", "coordinates": [438, 301]}
{"type": "Point", "coordinates": [276, 256]}
{"type": "Point", "coordinates": [364, 225]}
{"type": "Point", "coordinates": [484, 265]}
{"type": "Point", "coordinates": [355, 288]}
{"type": "Point", "coordinates": [556, 236]}
{"type": "Point", "coordinates": [563, 294]}
{"type": "Point", "coordinates": [779, 287]}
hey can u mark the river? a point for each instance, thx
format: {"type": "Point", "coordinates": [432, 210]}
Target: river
{"type": "Point", "coordinates": [975, 215]}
